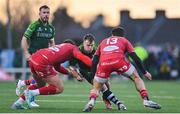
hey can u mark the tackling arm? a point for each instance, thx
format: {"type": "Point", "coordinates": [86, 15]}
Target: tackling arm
{"type": "Point", "coordinates": [70, 71]}
{"type": "Point", "coordinates": [85, 59]}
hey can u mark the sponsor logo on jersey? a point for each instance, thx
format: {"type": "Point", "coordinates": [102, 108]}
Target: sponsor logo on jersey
{"type": "Point", "coordinates": [44, 35]}
{"type": "Point", "coordinates": [111, 48]}
{"type": "Point", "coordinates": [51, 30]}
{"type": "Point", "coordinates": [39, 29]}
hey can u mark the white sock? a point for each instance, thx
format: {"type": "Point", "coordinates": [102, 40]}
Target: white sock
{"type": "Point", "coordinates": [22, 83]}
{"type": "Point", "coordinates": [35, 92]}
{"type": "Point", "coordinates": [19, 101]}
{"type": "Point", "coordinates": [92, 101]}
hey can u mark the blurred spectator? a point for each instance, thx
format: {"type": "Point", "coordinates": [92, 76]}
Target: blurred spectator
{"type": "Point", "coordinates": [165, 63]}
{"type": "Point", "coordinates": [18, 62]}
{"type": "Point", "coordinates": [7, 56]}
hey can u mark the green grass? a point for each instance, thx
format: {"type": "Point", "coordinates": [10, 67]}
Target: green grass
{"type": "Point", "coordinates": [75, 96]}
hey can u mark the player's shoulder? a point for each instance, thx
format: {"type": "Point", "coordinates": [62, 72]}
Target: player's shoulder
{"type": "Point", "coordinates": [95, 46]}
{"type": "Point", "coordinates": [51, 25]}
{"type": "Point", "coordinates": [33, 24]}
{"type": "Point", "coordinates": [68, 45]}
{"type": "Point", "coordinates": [81, 47]}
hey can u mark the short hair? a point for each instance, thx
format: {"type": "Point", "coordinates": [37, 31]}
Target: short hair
{"type": "Point", "coordinates": [89, 37]}
{"type": "Point", "coordinates": [69, 41]}
{"type": "Point", "coordinates": [118, 31]}
{"type": "Point", "coordinates": [44, 7]}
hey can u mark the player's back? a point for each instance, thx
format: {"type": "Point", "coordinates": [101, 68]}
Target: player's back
{"type": "Point", "coordinates": [114, 47]}
{"type": "Point", "coordinates": [58, 53]}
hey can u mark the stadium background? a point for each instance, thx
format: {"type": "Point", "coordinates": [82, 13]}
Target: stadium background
{"type": "Point", "coordinates": [153, 25]}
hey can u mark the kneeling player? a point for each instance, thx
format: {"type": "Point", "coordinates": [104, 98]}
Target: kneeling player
{"type": "Point", "coordinates": [43, 64]}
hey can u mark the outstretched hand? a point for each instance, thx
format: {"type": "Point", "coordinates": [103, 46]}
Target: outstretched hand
{"type": "Point", "coordinates": [74, 73]}
{"type": "Point", "coordinates": [148, 75]}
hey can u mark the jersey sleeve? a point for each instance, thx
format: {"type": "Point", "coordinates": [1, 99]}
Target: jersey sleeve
{"type": "Point", "coordinates": [129, 47]}
{"type": "Point", "coordinates": [78, 55]}
{"type": "Point", "coordinates": [29, 31]}
{"type": "Point", "coordinates": [60, 69]}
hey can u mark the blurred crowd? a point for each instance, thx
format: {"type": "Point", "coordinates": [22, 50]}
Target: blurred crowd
{"type": "Point", "coordinates": [163, 61]}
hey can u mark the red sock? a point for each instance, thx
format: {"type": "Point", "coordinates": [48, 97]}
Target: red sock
{"type": "Point", "coordinates": [144, 94]}
{"type": "Point", "coordinates": [93, 95]}
{"type": "Point", "coordinates": [47, 90]}
{"type": "Point", "coordinates": [28, 82]}
{"type": "Point", "coordinates": [32, 87]}
{"type": "Point", "coordinates": [22, 96]}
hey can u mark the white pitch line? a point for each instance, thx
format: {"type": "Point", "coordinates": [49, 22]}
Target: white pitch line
{"type": "Point", "coordinates": [73, 101]}
{"type": "Point", "coordinates": [128, 96]}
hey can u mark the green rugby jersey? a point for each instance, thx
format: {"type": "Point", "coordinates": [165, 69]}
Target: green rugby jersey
{"type": "Point", "coordinates": [82, 66]}
{"type": "Point", "coordinates": [39, 35]}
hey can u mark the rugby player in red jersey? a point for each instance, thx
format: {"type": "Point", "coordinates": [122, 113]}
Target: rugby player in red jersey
{"type": "Point", "coordinates": [44, 65]}
{"type": "Point", "coordinates": [110, 57]}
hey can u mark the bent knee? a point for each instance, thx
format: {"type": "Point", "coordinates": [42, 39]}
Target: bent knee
{"type": "Point", "coordinates": [59, 90]}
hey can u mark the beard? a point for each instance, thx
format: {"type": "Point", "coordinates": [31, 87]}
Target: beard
{"type": "Point", "coordinates": [45, 19]}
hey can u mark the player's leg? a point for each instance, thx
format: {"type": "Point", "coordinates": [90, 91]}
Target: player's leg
{"type": "Point", "coordinates": [18, 104]}
{"type": "Point", "coordinates": [20, 87]}
{"type": "Point", "coordinates": [107, 94]}
{"type": "Point", "coordinates": [106, 101]}
{"type": "Point", "coordinates": [140, 86]}
{"type": "Point", "coordinates": [132, 73]}
{"type": "Point", "coordinates": [97, 86]}
{"type": "Point", "coordinates": [22, 83]}
{"type": "Point", "coordinates": [55, 86]}
{"type": "Point", "coordinates": [88, 76]}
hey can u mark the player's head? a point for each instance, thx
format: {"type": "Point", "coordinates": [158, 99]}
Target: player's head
{"type": "Point", "coordinates": [88, 43]}
{"type": "Point", "coordinates": [44, 12]}
{"type": "Point", "coordinates": [69, 41]}
{"type": "Point", "coordinates": [118, 31]}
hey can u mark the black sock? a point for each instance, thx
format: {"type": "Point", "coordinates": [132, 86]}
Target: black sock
{"type": "Point", "coordinates": [110, 96]}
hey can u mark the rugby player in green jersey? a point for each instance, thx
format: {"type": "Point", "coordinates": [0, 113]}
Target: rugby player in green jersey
{"type": "Point", "coordinates": [88, 48]}
{"type": "Point", "coordinates": [39, 34]}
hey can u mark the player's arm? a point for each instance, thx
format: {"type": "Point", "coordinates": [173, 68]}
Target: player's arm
{"type": "Point", "coordinates": [25, 39]}
{"type": "Point", "coordinates": [134, 56]}
{"type": "Point", "coordinates": [25, 46]}
{"type": "Point", "coordinates": [137, 60]}
{"type": "Point", "coordinates": [61, 69]}
{"type": "Point", "coordinates": [85, 59]}
{"type": "Point", "coordinates": [51, 42]}
{"type": "Point", "coordinates": [71, 71]}
{"type": "Point", "coordinates": [140, 65]}
{"type": "Point", "coordinates": [95, 61]}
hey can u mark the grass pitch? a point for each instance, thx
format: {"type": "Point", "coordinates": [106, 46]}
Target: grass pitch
{"type": "Point", "coordinates": [75, 96]}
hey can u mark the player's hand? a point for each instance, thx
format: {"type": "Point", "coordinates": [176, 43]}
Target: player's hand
{"type": "Point", "coordinates": [79, 78]}
{"type": "Point", "coordinates": [74, 73]}
{"type": "Point", "coordinates": [27, 56]}
{"type": "Point", "coordinates": [148, 75]}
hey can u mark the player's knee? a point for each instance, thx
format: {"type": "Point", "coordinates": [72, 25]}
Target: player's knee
{"type": "Point", "coordinates": [59, 89]}
{"type": "Point", "coordinates": [95, 92]}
